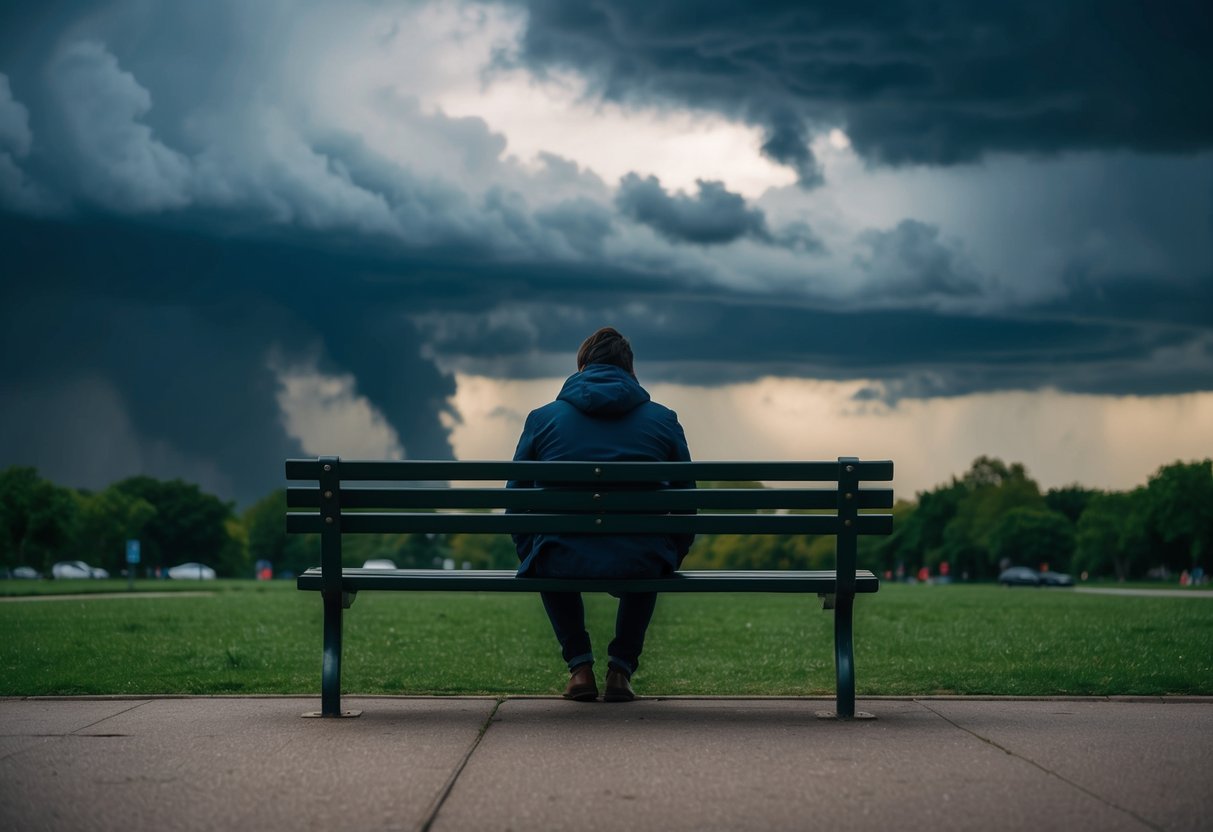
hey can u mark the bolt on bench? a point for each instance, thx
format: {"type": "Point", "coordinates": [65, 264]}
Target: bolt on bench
{"type": "Point", "coordinates": [585, 498]}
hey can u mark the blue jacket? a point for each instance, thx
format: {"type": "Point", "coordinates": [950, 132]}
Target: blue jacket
{"type": "Point", "coordinates": [602, 415]}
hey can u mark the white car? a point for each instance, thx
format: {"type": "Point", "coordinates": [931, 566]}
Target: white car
{"type": "Point", "coordinates": [191, 572]}
{"type": "Point", "coordinates": [77, 569]}
{"type": "Point", "coordinates": [378, 563]}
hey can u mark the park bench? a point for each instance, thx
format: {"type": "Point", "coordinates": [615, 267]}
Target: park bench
{"type": "Point", "coordinates": [360, 497]}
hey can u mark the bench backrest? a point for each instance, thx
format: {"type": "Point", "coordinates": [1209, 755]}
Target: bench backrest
{"type": "Point", "coordinates": [585, 498]}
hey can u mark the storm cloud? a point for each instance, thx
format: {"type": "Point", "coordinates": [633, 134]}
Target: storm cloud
{"type": "Point", "coordinates": [182, 245]}
{"type": "Point", "coordinates": [911, 261]}
{"type": "Point", "coordinates": [909, 82]}
{"type": "Point", "coordinates": [712, 216]}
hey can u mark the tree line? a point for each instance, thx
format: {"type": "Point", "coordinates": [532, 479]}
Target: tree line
{"type": "Point", "coordinates": [996, 515]}
{"type": "Point", "coordinates": [993, 515]}
{"type": "Point", "coordinates": [176, 522]}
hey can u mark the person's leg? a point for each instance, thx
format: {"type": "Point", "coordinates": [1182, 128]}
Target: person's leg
{"type": "Point", "coordinates": [567, 613]}
{"type": "Point", "coordinates": [631, 623]}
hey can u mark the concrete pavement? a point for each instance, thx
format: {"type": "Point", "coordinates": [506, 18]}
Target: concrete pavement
{"type": "Point", "coordinates": [541, 763]}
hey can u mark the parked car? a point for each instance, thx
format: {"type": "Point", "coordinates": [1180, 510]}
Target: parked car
{"type": "Point", "coordinates": [1019, 576]}
{"type": "Point", "coordinates": [1055, 579]}
{"type": "Point", "coordinates": [26, 573]}
{"type": "Point", "coordinates": [379, 563]}
{"type": "Point", "coordinates": [191, 572]}
{"type": "Point", "coordinates": [1023, 576]}
{"type": "Point", "coordinates": [77, 569]}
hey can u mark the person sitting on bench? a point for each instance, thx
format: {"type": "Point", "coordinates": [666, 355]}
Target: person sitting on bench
{"type": "Point", "coordinates": [601, 415]}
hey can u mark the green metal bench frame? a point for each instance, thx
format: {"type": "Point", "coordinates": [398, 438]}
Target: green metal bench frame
{"type": "Point", "coordinates": [586, 498]}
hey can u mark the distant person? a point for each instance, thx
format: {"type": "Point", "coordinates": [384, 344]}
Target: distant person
{"type": "Point", "coordinates": [601, 415]}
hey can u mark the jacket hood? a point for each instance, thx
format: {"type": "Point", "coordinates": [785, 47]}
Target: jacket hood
{"type": "Point", "coordinates": [603, 390]}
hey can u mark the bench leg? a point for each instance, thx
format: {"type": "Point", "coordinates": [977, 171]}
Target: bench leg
{"type": "Point", "coordinates": [330, 678]}
{"type": "Point", "coordinates": [844, 663]}
{"type": "Point", "coordinates": [844, 656]}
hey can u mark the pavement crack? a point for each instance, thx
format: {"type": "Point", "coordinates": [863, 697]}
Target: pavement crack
{"type": "Point", "coordinates": [63, 735]}
{"type": "Point", "coordinates": [104, 718]}
{"type": "Point", "coordinates": [1048, 771]}
{"type": "Point", "coordinates": [72, 733]}
{"type": "Point", "coordinates": [445, 792]}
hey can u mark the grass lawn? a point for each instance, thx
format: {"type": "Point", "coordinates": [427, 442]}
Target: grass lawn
{"type": "Point", "coordinates": [266, 637]}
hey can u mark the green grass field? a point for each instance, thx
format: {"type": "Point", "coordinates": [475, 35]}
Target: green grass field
{"type": "Point", "coordinates": [265, 638]}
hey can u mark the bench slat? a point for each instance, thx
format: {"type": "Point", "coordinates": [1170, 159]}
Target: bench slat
{"type": "Point", "coordinates": [590, 472]}
{"type": "Point", "coordinates": [355, 580]}
{"type": "Point", "coordinates": [402, 522]}
{"type": "Point", "coordinates": [671, 499]}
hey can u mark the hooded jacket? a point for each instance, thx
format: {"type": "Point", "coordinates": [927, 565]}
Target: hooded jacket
{"type": "Point", "coordinates": [602, 415]}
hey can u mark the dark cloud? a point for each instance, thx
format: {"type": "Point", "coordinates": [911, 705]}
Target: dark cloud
{"type": "Point", "coordinates": [910, 82]}
{"type": "Point", "coordinates": [83, 132]}
{"type": "Point", "coordinates": [181, 330]}
{"type": "Point", "coordinates": [1167, 301]}
{"type": "Point", "coordinates": [707, 336]}
{"type": "Point", "coordinates": [720, 338]}
{"type": "Point", "coordinates": [116, 158]}
{"type": "Point", "coordinates": [787, 142]}
{"type": "Point", "coordinates": [583, 224]}
{"type": "Point", "coordinates": [17, 191]}
{"type": "Point", "coordinates": [910, 261]}
{"type": "Point", "coordinates": [711, 217]}
{"type": "Point", "coordinates": [15, 136]}
{"type": "Point", "coordinates": [799, 236]}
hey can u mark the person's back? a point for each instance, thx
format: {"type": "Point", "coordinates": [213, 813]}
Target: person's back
{"type": "Point", "coordinates": [601, 415]}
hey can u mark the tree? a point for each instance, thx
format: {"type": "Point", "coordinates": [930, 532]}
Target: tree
{"type": "Point", "coordinates": [1111, 536]}
{"type": "Point", "coordinates": [233, 558]}
{"type": "Point", "coordinates": [188, 525]}
{"type": "Point", "coordinates": [484, 551]}
{"type": "Point", "coordinates": [1033, 536]}
{"type": "Point", "coordinates": [36, 518]}
{"type": "Point", "coordinates": [991, 489]}
{"type": "Point", "coordinates": [1179, 513]}
{"type": "Point", "coordinates": [1070, 500]}
{"type": "Point", "coordinates": [710, 551]}
{"type": "Point", "coordinates": [105, 521]}
{"type": "Point", "coordinates": [922, 533]}
{"type": "Point", "coordinates": [961, 551]}
{"type": "Point", "coordinates": [953, 523]}
{"type": "Point", "coordinates": [904, 546]}
{"type": "Point", "coordinates": [265, 528]}
{"type": "Point", "coordinates": [988, 471]}
{"type": "Point", "coordinates": [419, 550]}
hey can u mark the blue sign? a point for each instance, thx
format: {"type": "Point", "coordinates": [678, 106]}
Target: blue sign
{"type": "Point", "coordinates": [132, 551]}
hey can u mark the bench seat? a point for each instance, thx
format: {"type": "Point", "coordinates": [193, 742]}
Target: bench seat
{"type": "Point", "coordinates": [419, 580]}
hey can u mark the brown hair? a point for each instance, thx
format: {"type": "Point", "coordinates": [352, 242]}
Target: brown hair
{"type": "Point", "coordinates": [606, 346]}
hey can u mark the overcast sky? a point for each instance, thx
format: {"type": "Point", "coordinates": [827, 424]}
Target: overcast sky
{"type": "Point", "coordinates": [234, 232]}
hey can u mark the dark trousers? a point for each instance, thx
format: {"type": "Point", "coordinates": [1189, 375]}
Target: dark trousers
{"type": "Point", "coordinates": [567, 613]}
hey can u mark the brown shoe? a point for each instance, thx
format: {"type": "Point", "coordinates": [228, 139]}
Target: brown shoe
{"type": "Point", "coordinates": [582, 687]}
{"type": "Point", "coordinates": [618, 686]}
